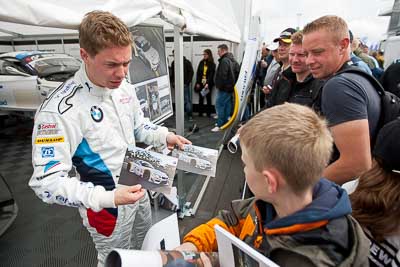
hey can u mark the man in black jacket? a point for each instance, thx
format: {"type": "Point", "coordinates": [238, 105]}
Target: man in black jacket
{"type": "Point", "coordinates": [225, 79]}
{"type": "Point", "coordinates": [187, 79]}
{"type": "Point", "coordinates": [390, 79]}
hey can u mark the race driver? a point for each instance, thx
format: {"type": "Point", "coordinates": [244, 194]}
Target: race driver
{"type": "Point", "coordinates": [88, 123]}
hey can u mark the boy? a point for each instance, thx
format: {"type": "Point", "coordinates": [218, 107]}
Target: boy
{"type": "Point", "coordinates": [295, 218]}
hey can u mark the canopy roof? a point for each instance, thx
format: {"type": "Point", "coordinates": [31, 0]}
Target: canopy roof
{"type": "Point", "coordinates": [211, 18]}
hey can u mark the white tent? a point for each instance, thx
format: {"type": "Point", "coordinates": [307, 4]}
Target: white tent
{"type": "Point", "coordinates": [210, 18]}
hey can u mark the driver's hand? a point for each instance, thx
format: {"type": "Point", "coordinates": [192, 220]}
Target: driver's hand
{"type": "Point", "coordinates": [128, 194]}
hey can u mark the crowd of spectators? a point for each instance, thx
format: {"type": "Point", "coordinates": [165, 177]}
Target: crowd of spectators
{"type": "Point", "coordinates": [311, 69]}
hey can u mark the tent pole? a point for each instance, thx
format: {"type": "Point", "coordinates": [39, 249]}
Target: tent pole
{"type": "Point", "coordinates": [178, 59]}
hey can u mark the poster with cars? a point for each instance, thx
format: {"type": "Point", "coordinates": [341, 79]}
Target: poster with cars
{"type": "Point", "coordinates": [197, 159]}
{"type": "Point", "coordinates": [154, 171]}
{"type": "Point", "coordinates": [148, 72]}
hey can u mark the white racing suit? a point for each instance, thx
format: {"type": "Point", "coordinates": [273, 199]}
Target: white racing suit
{"type": "Point", "coordinates": [90, 128]}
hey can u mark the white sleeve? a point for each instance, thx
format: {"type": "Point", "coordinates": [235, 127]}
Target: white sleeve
{"type": "Point", "coordinates": [54, 141]}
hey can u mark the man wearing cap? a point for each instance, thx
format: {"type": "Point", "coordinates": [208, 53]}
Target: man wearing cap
{"type": "Point", "coordinates": [283, 54]}
{"type": "Point", "coordinates": [349, 101]}
{"type": "Point", "coordinates": [284, 41]}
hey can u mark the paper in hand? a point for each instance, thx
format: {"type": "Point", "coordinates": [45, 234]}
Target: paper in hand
{"type": "Point", "coordinates": [154, 171]}
{"type": "Point", "coordinates": [197, 159]}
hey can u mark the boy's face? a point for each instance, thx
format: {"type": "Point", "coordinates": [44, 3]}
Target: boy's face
{"type": "Point", "coordinates": [255, 179]}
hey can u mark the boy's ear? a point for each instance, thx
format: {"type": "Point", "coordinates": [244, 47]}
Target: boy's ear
{"type": "Point", "coordinates": [272, 177]}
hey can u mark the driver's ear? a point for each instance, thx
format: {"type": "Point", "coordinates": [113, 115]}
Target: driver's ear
{"type": "Point", "coordinates": [84, 54]}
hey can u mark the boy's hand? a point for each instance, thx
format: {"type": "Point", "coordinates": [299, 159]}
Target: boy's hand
{"type": "Point", "coordinates": [128, 194]}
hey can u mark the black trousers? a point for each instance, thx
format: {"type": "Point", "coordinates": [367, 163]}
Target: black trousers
{"type": "Point", "coordinates": [205, 109]}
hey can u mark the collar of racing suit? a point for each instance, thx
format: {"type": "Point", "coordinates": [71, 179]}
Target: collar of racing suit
{"type": "Point", "coordinates": [89, 85]}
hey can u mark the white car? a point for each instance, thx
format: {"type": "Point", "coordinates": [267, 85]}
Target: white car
{"type": "Point", "coordinates": [146, 171]}
{"type": "Point", "coordinates": [195, 161]}
{"type": "Point", "coordinates": [26, 78]}
{"type": "Point", "coordinates": [147, 52]}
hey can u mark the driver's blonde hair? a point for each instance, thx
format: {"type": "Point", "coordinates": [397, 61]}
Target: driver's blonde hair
{"type": "Point", "coordinates": [101, 29]}
{"type": "Point", "coordinates": [292, 139]}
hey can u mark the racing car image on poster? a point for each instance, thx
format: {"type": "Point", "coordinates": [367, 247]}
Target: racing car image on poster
{"type": "Point", "coordinates": [148, 54]}
{"type": "Point", "coordinates": [154, 171]}
{"type": "Point", "coordinates": [148, 172]}
{"type": "Point", "coordinates": [197, 159]}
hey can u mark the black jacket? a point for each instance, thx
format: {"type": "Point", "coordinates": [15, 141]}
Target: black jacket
{"type": "Point", "coordinates": [187, 72]}
{"type": "Point", "coordinates": [209, 74]}
{"type": "Point", "coordinates": [390, 79]}
{"type": "Point", "coordinates": [225, 76]}
{"type": "Point", "coordinates": [287, 89]}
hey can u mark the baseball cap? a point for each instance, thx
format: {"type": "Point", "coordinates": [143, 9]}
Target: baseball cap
{"type": "Point", "coordinates": [272, 46]}
{"type": "Point", "coordinates": [387, 146]}
{"type": "Point", "coordinates": [285, 36]}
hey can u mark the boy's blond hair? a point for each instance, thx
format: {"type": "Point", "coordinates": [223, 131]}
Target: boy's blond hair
{"type": "Point", "coordinates": [291, 138]}
{"type": "Point", "coordinates": [334, 25]}
{"type": "Point", "coordinates": [101, 29]}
